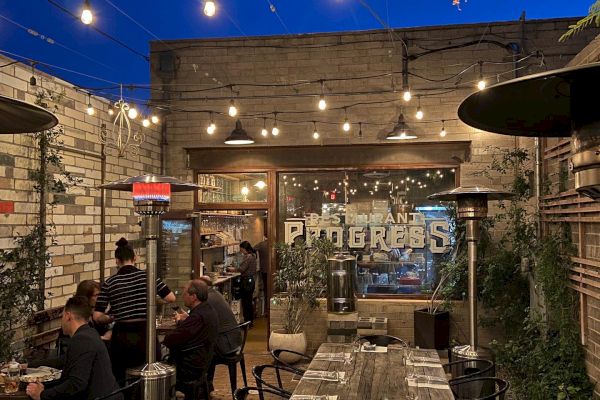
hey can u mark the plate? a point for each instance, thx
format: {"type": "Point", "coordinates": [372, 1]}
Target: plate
{"type": "Point", "coordinates": [41, 374]}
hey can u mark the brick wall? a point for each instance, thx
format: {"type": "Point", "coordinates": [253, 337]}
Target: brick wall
{"type": "Point", "coordinates": [399, 313]}
{"type": "Point", "coordinates": [76, 256]}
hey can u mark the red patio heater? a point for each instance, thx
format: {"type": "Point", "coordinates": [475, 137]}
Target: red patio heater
{"type": "Point", "coordinates": [151, 198]}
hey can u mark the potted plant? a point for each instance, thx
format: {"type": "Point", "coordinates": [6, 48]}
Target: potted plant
{"type": "Point", "coordinates": [300, 280]}
{"type": "Point", "coordinates": [432, 324]}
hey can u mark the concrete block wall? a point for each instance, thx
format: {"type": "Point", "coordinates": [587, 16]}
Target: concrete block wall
{"type": "Point", "coordinates": [208, 63]}
{"type": "Point", "coordinates": [76, 256]}
{"type": "Point", "coordinates": [399, 313]}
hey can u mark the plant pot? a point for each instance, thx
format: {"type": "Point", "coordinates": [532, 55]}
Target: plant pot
{"type": "Point", "coordinates": [432, 331]}
{"type": "Point", "coordinates": [288, 341]}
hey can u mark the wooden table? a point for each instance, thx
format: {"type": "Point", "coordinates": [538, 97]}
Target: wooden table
{"type": "Point", "coordinates": [20, 395]}
{"type": "Point", "coordinates": [376, 376]}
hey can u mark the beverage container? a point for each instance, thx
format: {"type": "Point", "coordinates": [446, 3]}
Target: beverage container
{"type": "Point", "coordinates": [11, 381]}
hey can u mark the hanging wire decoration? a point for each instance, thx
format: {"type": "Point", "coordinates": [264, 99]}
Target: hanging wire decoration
{"type": "Point", "coordinates": [121, 138]}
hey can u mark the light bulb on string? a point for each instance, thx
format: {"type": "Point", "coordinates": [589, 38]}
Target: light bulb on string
{"type": "Point", "coordinates": [275, 130]}
{"type": "Point", "coordinates": [155, 120]}
{"type": "Point", "coordinates": [232, 108]}
{"type": "Point", "coordinates": [210, 8]}
{"type": "Point", "coordinates": [315, 132]}
{"type": "Point", "coordinates": [419, 115]}
{"type": "Point", "coordinates": [322, 102]}
{"type": "Point", "coordinates": [481, 84]}
{"type": "Point", "coordinates": [32, 80]}
{"type": "Point", "coordinates": [406, 95]}
{"type": "Point", "coordinates": [264, 131]}
{"type": "Point", "coordinates": [90, 109]}
{"type": "Point", "coordinates": [346, 126]}
{"type": "Point", "coordinates": [111, 112]}
{"type": "Point", "coordinates": [146, 122]}
{"type": "Point", "coordinates": [212, 127]}
{"type": "Point", "coordinates": [442, 132]}
{"type": "Point", "coordinates": [132, 113]}
{"type": "Point", "coordinates": [360, 133]}
{"type": "Point", "coordinates": [86, 13]}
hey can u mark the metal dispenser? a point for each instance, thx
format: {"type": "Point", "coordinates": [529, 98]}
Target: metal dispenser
{"type": "Point", "coordinates": [341, 283]}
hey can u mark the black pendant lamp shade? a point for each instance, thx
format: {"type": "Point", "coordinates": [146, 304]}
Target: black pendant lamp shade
{"type": "Point", "coordinates": [558, 103]}
{"type": "Point", "coordinates": [399, 131]}
{"type": "Point", "coordinates": [18, 116]}
{"type": "Point", "coordinates": [239, 135]}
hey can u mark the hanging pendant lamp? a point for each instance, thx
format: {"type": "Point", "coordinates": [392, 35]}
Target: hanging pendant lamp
{"type": "Point", "coordinates": [239, 136]}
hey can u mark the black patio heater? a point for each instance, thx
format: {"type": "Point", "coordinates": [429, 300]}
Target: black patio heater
{"type": "Point", "coordinates": [18, 116]}
{"type": "Point", "coordinates": [151, 198]}
{"type": "Point", "coordinates": [549, 104]}
{"type": "Point", "coordinates": [472, 206]}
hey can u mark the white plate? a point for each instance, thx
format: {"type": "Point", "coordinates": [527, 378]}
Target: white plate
{"type": "Point", "coordinates": [41, 374]}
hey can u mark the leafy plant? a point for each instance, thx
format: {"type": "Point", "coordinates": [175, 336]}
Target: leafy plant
{"type": "Point", "coordinates": [301, 280]}
{"type": "Point", "coordinates": [592, 17]}
{"type": "Point", "coordinates": [22, 268]}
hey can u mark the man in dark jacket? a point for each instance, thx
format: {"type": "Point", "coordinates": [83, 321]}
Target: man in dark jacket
{"type": "Point", "coordinates": [229, 339]}
{"type": "Point", "coordinates": [87, 373]}
{"type": "Point", "coordinates": [192, 342]}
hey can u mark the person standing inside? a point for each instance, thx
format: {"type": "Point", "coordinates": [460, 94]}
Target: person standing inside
{"type": "Point", "coordinates": [247, 269]}
{"type": "Point", "coordinates": [192, 342]}
{"type": "Point", "coordinates": [262, 248]}
{"type": "Point", "coordinates": [125, 293]}
{"type": "Point", "coordinates": [87, 372]}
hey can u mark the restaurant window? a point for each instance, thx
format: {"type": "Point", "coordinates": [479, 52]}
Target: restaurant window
{"type": "Point", "coordinates": [232, 188]}
{"type": "Point", "coordinates": [383, 217]}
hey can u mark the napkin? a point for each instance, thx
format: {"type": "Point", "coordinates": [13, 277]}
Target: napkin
{"type": "Point", "coordinates": [313, 397]}
{"type": "Point", "coordinates": [425, 384]}
{"type": "Point", "coordinates": [331, 356]}
{"type": "Point", "coordinates": [378, 349]}
{"type": "Point", "coordinates": [423, 364]}
{"type": "Point", "coordinates": [426, 359]}
{"type": "Point", "coordinates": [333, 376]}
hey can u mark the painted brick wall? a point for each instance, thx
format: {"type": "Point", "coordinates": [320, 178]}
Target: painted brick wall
{"type": "Point", "coordinates": [77, 217]}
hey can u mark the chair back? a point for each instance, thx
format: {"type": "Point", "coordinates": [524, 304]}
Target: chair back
{"type": "Point", "coordinates": [467, 369]}
{"type": "Point", "coordinates": [382, 340]}
{"type": "Point", "coordinates": [120, 390]}
{"type": "Point", "coordinates": [259, 370]}
{"type": "Point", "coordinates": [480, 388]}
{"type": "Point", "coordinates": [244, 327]}
{"type": "Point", "coordinates": [279, 355]}
{"type": "Point", "coordinates": [242, 393]}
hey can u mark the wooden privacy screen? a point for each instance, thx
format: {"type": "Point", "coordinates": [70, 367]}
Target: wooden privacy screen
{"type": "Point", "coordinates": [564, 204]}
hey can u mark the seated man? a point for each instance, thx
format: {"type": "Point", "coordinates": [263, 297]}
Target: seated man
{"type": "Point", "coordinates": [191, 343]}
{"type": "Point", "coordinates": [229, 339]}
{"type": "Point", "coordinates": [87, 373]}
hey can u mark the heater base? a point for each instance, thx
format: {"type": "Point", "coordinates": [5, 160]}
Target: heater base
{"type": "Point", "coordinates": [466, 352]}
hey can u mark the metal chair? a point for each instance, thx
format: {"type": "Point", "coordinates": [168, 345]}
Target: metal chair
{"type": "Point", "coordinates": [277, 356]}
{"type": "Point", "coordinates": [235, 357]}
{"type": "Point", "coordinates": [467, 369]}
{"type": "Point", "coordinates": [242, 393]}
{"type": "Point", "coordinates": [258, 372]}
{"type": "Point", "coordinates": [481, 388]}
{"type": "Point", "coordinates": [120, 390]}
{"type": "Point", "coordinates": [382, 340]}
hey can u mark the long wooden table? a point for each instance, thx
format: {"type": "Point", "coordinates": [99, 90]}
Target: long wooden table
{"type": "Point", "coordinates": [376, 376]}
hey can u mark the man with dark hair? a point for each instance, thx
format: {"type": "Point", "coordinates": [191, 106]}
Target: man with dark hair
{"type": "Point", "coordinates": [87, 373]}
{"type": "Point", "coordinates": [192, 342]}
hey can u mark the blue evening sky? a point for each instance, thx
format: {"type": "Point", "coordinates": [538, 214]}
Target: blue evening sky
{"type": "Point", "coordinates": [79, 48]}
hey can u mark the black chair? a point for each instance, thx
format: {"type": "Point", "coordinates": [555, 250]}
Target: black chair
{"type": "Point", "coordinates": [481, 388]}
{"type": "Point", "coordinates": [467, 369]}
{"type": "Point", "coordinates": [280, 360]}
{"type": "Point", "coordinates": [242, 393]}
{"type": "Point", "coordinates": [259, 370]}
{"type": "Point", "coordinates": [382, 340]}
{"type": "Point", "coordinates": [120, 390]}
{"type": "Point", "coordinates": [235, 357]}
{"type": "Point", "coordinates": [193, 389]}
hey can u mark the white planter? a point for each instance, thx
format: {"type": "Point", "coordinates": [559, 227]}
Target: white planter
{"type": "Point", "coordinates": [288, 341]}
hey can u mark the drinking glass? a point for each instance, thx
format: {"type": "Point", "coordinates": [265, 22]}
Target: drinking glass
{"type": "Point", "coordinates": [11, 381]}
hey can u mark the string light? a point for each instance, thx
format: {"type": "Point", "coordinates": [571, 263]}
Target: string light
{"type": "Point", "coordinates": [419, 115]}
{"type": "Point", "coordinates": [442, 134]}
{"type": "Point", "coordinates": [275, 130]}
{"type": "Point", "coordinates": [346, 126]}
{"type": "Point", "coordinates": [360, 130]}
{"type": "Point", "coordinates": [132, 113]}
{"type": "Point", "coordinates": [146, 122]}
{"type": "Point", "coordinates": [155, 120]}
{"type": "Point", "coordinates": [322, 102]}
{"type": "Point", "coordinates": [86, 14]}
{"type": "Point", "coordinates": [264, 131]}
{"type": "Point", "coordinates": [211, 127]}
{"type": "Point", "coordinates": [111, 112]}
{"type": "Point", "coordinates": [32, 80]}
{"type": "Point", "coordinates": [481, 84]}
{"type": "Point", "coordinates": [232, 108]}
{"type": "Point", "coordinates": [315, 132]}
{"type": "Point", "coordinates": [90, 110]}
{"type": "Point", "coordinates": [210, 8]}
{"type": "Point", "coordinates": [407, 95]}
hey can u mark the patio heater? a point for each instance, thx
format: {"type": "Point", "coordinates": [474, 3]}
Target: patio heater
{"type": "Point", "coordinates": [151, 199]}
{"type": "Point", "coordinates": [17, 116]}
{"type": "Point", "coordinates": [557, 103]}
{"type": "Point", "coordinates": [472, 206]}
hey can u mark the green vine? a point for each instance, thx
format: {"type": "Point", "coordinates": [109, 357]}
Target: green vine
{"type": "Point", "coordinates": [22, 268]}
{"type": "Point", "coordinates": [593, 17]}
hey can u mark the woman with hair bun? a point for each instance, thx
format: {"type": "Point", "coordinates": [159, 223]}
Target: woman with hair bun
{"type": "Point", "coordinates": [125, 293]}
